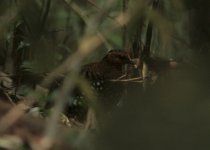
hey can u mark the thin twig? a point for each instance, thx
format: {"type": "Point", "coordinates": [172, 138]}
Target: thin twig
{"type": "Point", "coordinates": [91, 120]}
{"type": "Point", "coordinates": [138, 79]}
{"type": "Point", "coordinates": [10, 100]}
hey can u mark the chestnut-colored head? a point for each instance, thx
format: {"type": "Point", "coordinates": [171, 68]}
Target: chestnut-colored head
{"type": "Point", "coordinates": [117, 57]}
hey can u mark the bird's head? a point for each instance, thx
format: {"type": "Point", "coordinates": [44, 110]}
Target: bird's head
{"type": "Point", "coordinates": [117, 57]}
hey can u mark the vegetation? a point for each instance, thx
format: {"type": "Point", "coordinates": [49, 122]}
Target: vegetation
{"type": "Point", "coordinates": [160, 101]}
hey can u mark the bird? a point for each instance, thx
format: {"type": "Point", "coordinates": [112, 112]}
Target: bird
{"type": "Point", "coordinates": [98, 74]}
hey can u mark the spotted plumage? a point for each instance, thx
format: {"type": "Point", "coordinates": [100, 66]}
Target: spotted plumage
{"type": "Point", "coordinates": [98, 74]}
